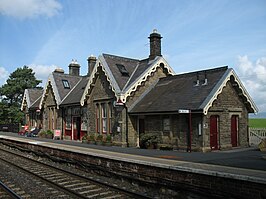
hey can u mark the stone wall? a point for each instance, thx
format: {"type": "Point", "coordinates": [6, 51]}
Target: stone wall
{"type": "Point", "coordinates": [160, 177]}
{"type": "Point", "coordinates": [101, 93]}
{"type": "Point", "coordinates": [178, 135]}
{"type": "Point", "coordinates": [133, 121]}
{"type": "Point", "coordinates": [227, 104]}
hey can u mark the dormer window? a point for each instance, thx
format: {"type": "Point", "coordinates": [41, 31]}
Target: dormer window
{"type": "Point", "coordinates": [122, 69]}
{"type": "Point", "coordinates": [65, 83]}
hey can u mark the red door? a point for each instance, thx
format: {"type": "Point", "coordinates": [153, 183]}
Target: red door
{"type": "Point", "coordinates": [214, 132]}
{"type": "Point", "coordinates": [234, 130]}
{"type": "Point", "coordinates": [76, 128]}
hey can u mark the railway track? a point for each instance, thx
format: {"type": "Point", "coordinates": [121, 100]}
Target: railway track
{"type": "Point", "coordinates": [64, 183]}
{"type": "Point", "coordinates": [7, 193]}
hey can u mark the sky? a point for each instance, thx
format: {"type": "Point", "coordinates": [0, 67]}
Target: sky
{"type": "Point", "coordinates": [197, 35]}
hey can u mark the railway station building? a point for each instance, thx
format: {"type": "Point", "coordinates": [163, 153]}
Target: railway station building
{"type": "Point", "coordinates": [143, 103]}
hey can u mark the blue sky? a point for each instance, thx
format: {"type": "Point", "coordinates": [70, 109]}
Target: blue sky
{"type": "Point", "coordinates": [196, 35]}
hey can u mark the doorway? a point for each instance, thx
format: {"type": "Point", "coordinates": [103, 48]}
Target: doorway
{"type": "Point", "coordinates": [76, 128]}
{"type": "Point", "coordinates": [234, 130]}
{"type": "Point", "coordinates": [214, 132]}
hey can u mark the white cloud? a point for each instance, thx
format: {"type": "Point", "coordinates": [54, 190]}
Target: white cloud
{"type": "Point", "coordinates": [3, 75]}
{"type": "Point", "coordinates": [253, 76]}
{"type": "Point", "coordinates": [42, 71]}
{"type": "Point", "coordinates": [29, 8]}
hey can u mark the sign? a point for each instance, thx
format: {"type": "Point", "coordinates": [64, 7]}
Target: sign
{"type": "Point", "coordinates": [57, 134]}
{"type": "Point", "coordinates": [183, 111]}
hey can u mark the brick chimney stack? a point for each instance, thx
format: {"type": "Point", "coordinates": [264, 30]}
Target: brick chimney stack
{"type": "Point", "coordinates": [155, 44]}
{"type": "Point", "coordinates": [74, 68]}
{"type": "Point", "coordinates": [91, 63]}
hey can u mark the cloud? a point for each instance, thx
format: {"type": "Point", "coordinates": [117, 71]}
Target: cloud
{"type": "Point", "coordinates": [253, 76]}
{"type": "Point", "coordinates": [3, 75]}
{"type": "Point", "coordinates": [29, 8]}
{"type": "Point", "coordinates": [42, 71]}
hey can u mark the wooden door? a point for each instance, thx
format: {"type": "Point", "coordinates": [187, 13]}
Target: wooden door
{"type": "Point", "coordinates": [214, 132]}
{"type": "Point", "coordinates": [234, 130]}
{"type": "Point", "coordinates": [76, 128]}
{"type": "Point", "coordinates": [141, 126]}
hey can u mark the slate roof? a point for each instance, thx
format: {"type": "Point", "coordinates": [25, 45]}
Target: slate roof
{"type": "Point", "coordinates": [34, 97]}
{"type": "Point", "coordinates": [63, 94]}
{"type": "Point", "coordinates": [134, 67]}
{"type": "Point", "coordinates": [75, 94]}
{"type": "Point", "coordinates": [179, 92]}
{"type": "Point", "coordinates": [58, 80]}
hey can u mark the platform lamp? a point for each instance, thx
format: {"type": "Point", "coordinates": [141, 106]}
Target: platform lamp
{"type": "Point", "coordinates": [119, 105]}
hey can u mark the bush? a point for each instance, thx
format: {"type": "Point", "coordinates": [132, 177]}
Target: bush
{"type": "Point", "coordinates": [149, 139]}
{"type": "Point", "coordinates": [49, 132]}
{"type": "Point", "coordinates": [108, 138]}
{"type": "Point", "coordinates": [100, 138]}
{"type": "Point", "coordinates": [46, 134]}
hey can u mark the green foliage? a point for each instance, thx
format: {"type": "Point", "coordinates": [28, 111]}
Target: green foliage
{"type": "Point", "coordinates": [257, 122]}
{"type": "Point", "coordinates": [100, 138]}
{"type": "Point", "coordinates": [91, 137]}
{"type": "Point", "coordinates": [11, 94]}
{"type": "Point", "coordinates": [149, 139]}
{"type": "Point", "coordinates": [49, 132]}
{"type": "Point", "coordinates": [108, 138]}
{"type": "Point", "coordinates": [46, 134]}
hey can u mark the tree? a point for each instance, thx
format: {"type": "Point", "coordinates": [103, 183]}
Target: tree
{"type": "Point", "coordinates": [12, 92]}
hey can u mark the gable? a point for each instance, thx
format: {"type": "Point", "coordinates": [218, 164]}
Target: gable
{"type": "Point", "coordinates": [123, 86]}
{"type": "Point", "coordinates": [231, 76]}
{"type": "Point", "coordinates": [61, 85]}
{"type": "Point", "coordinates": [101, 89]}
{"type": "Point", "coordinates": [50, 88]}
{"type": "Point", "coordinates": [50, 99]}
{"type": "Point", "coordinates": [31, 98]}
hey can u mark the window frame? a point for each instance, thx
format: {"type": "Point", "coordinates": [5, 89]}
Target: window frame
{"type": "Point", "coordinates": [66, 83]}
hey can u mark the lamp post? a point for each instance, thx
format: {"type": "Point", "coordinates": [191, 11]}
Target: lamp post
{"type": "Point", "coordinates": [119, 105]}
{"type": "Point", "coordinates": [188, 111]}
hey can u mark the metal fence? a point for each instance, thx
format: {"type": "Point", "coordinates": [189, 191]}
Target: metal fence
{"type": "Point", "coordinates": [256, 135]}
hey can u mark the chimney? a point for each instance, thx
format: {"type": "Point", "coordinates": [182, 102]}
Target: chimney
{"type": "Point", "coordinates": [205, 79]}
{"type": "Point", "coordinates": [155, 44]}
{"type": "Point", "coordinates": [91, 63]}
{"type": "Point", "coordinates": [74, 68]}
{"type": "Point", "coordinates": [59, 70]}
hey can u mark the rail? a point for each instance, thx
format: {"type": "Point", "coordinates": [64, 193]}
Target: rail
{"type": "Point", "coordinates": [9, 191]}
{"type": "Point", "coordinates": [46, 170]}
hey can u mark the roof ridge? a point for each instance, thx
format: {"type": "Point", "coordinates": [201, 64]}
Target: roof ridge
{"type": "Point", "coordinates": [195, 72]}
{"type": "Point", "coordinates": [129, 79]}
{"type": "Point", "coordinates": [122, 57]}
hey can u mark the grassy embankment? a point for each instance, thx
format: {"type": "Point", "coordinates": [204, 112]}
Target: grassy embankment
{"type": "Point", "coordinates": [257, 122]}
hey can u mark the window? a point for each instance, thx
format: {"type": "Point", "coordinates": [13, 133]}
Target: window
{"type": "Point", "coordinates": [104, 118]}
{"type": "Point", "coordinates": [97, 119]}
{"type": "Point", "coordinates": [65, 83]}
{"type": "Point", "coordinates": [122, 69]}
{"type": "Point", "coordinates": [109, 117]}
{"type": "Point", "coordinates": [166, 124]}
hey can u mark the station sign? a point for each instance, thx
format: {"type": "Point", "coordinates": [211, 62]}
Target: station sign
{"type": "Point", "coordinates": [183, 111]}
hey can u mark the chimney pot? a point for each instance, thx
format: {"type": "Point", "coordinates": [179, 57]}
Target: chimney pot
{"type": "Point", "coordinates": [155, 44]}
{"type": "Point", "coordinates": [74, 68]}
{"type": "Point", "coordinates": [91, 63]}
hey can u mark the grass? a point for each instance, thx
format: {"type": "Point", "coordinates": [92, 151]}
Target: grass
{"type": "Point", "coordinates": [257, 122]}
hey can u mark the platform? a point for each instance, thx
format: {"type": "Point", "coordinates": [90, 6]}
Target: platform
{"type": "Point", "coordinates": [224, 164]}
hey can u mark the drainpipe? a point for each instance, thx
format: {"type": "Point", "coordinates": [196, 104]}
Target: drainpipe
{"type": "Point", "coordinates": [126, 126]}
{"type": "Point", "coordinates": [63, 117]}
{"type": "Point", "coordinates": [190, 130]}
